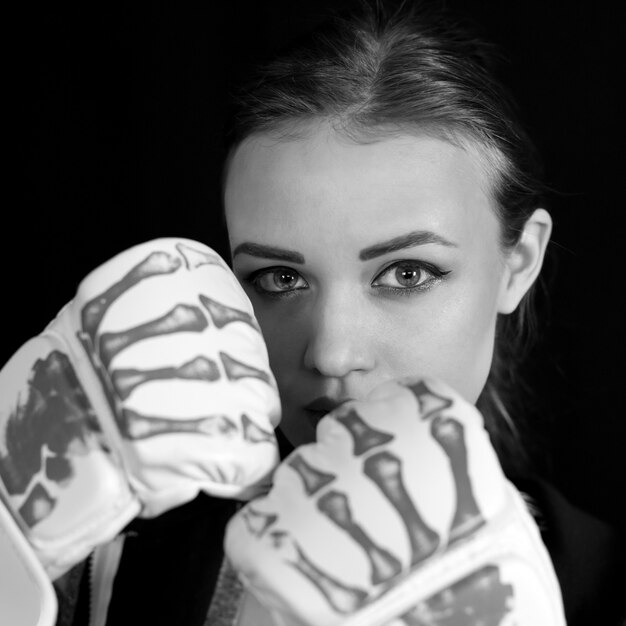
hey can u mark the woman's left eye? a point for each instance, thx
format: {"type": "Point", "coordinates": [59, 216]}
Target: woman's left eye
{"type": "Point", "coordinates": [408, 276]}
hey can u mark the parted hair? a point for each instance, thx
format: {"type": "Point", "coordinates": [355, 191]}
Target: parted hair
{"type": "Point", "coordinates": [382, 69]}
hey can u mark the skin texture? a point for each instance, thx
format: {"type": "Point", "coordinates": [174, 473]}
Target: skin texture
{"type": "Point", "coordinates": [339, 321]}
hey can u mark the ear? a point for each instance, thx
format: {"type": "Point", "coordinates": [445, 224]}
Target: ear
{"type": "Point", "coordinates": [523, 263]}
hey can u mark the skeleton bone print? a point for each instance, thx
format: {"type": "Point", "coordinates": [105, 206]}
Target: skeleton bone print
{"type": "Point", "coordinates": [156, 362]}
{"type": "Point", "coordinates": [182, 317]}
{"type": "Point", "coordinates": [390, 485]}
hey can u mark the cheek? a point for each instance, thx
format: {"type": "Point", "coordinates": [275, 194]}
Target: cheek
{"type": "Point", "coordinates": [453, 342]}
{"type": "Point", "coordinates": [285, 339]}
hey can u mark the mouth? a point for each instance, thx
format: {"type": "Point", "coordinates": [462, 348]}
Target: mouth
{"type": "Point", "coordinates": [320, 407]}
{"type": "Point", "coordinates": [314, 416]}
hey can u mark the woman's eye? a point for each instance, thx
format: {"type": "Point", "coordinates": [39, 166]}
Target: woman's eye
{"type": "Point", "coordinates": [277, 280]}
{"type": "Point", "coordinates": [408, 276]}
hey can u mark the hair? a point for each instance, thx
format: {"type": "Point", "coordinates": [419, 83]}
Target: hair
{"type": "Point", "coordinates": [415, 69]}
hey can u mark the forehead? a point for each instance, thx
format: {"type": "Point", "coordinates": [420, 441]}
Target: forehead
{"type": "Point", "coordinates": [324, 178]}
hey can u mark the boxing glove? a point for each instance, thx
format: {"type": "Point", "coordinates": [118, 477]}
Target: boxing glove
{"type": "Point", "coordinates": [150, 386]}
{"type": "Point", "coordinates": [399, 513]}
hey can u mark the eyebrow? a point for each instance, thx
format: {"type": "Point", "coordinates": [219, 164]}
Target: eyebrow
{"type": "Point", "coordinates": [415, 238]}
{"type": "Point", "coordinates": [268, 252]}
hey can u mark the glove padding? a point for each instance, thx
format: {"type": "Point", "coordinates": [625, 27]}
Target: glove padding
{"type": "Point", "coordinates": [399, 513]}
{"type": "Point", "coordinates": [151, 385]}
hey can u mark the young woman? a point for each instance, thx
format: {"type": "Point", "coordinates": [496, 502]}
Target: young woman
{"type": "Point", "coordinates": [387, 219]}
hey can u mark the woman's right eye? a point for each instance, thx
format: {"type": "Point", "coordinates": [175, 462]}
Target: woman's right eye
{"type": "Point", "coordinates": [276, 281]}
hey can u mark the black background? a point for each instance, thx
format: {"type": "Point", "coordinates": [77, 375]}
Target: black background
{"type": "Point", "coordinates": [117, 118]}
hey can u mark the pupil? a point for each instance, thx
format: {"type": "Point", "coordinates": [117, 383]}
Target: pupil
{"type": "Point", "coordinates": [284, 279]}
{"type": "Point", "coordinates": [407, 276]}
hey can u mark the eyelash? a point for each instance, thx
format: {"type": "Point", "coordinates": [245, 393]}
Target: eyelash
{"type": "Point", "coordinates": [437, 275]}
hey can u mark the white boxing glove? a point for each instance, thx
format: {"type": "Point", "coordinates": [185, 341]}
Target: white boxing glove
{"type": "Point", "coordinates": [399, 514]}
{"type": "Point", "coordinates": [151, 385]}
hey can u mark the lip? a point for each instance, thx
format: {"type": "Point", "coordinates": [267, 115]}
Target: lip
{"type": "Point", "coordinates": [321, 406]}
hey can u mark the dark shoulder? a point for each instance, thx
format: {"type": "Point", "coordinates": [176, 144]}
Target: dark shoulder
{"type": "Point", "coordinates": [589, 556]}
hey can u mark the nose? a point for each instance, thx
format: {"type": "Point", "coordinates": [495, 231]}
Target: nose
{"type": "Point", "coordinates": [340, 338]}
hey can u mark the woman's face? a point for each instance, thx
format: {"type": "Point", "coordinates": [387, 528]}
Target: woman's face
{"type": "Point", "coordinates": [365, 262]}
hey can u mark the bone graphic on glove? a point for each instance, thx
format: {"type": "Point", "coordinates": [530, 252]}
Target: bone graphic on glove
{"type": "Point", "coordinates": [223, 315]}
{"type": "Point", "coordinates": [258, 522]}
{"type": "Point", "coordinates": [385, 470]}
{"type": "Point", "coordinates": [343, 598]}
{"type": "Point", "coordinates": [448, 432]}
{"type": "Point", "coordinates": [236, 370]}
{"type": "Point", "coordinates": [480, 599]}
{"type": "Point", "coordinates": [430, 403]}
{"type": "Point", "coordinates": [182, 318]}
{"type": "Point", "coordinates": [155, 264]}
{"type": "Point", "coordinates": [312, 478]}
{"type": "Point", "coordinates": [254, 433]}
{"type": "Point", "coordinates": [195, 258]}
{"type": "Point", "coordinates": [200, 368]}
{"type": "Point", "coordinates": [136, 426]}
{"type": "Point", "coordinates": [365, 437]}
{"type": "Point", "coordinates": [384, 564]}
